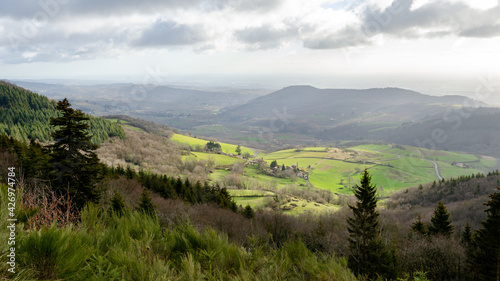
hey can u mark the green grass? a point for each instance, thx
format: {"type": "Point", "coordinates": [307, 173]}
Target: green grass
{"type": "Point", "coordinates": [303, 162]}
{"type": "Point", "coordinates": [251, 172]}
{"type": "Point", "coordinates": [302, 205]}
{"type": "Point", "coordinates": [114, 120]}
{"type": "Point", "coordinates": [219, 175]}
{"type": "Point", "coordinates": [133, 128]}
{"type": "Point", "coordinates": [407, 167]}
{"type": "Point", "coordinates": [125, 124]}
{"type": "Point", "coordinates": [250, 192]}
{"type": "Point", "coordinates": [372, 147]}
{"type": "Point", "coordinates": [226, 148]}
{"type": "Point", "coordinates": [219, 159]}
{"type": "Point", "coordinates": [328, 174]}
{"type": "Point", "coordinates": [254, 202]}
{"type": "Point", "coordinates": [448, 171]}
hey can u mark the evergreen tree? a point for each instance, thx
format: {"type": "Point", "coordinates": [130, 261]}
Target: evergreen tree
{"type": "Point", "coordinates": [418, 226]}
{"type": "Point", "coordinates": [213, 147]}
{"type": "Point", "coordinates": [368, 255]}
{"type": "Point", "coordinates": [117, 204]}
{"type": "Point", "coordinates": [129, 172]}
{"type": "Point", "coordinates": [485, 256]}
{"type": "Point", "coordinates": [274, 164]}
{"type": "Point", "coordinates": [441, 223]}
{"type": "Point", "coordinates": [467, 235]}
{"type": "Point", "coordinates": [248, 212]}
{"type": "Point", "coordinates": [238, 150]}
{"type": "Point", "coordinates": [146, 205]}
{"type": "Point", "coordinates": [75, 165]}
{"type": "Point", "coordinates": [283, 167]}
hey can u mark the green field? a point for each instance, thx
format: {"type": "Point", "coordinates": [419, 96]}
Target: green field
{"type": "Point", "coordinates": [193, 142]}
{"type": "Point", "coordinates": [114, 120]}
{"type": "Point", "coordinates": [291, 205]}
{"type": "Point", "coordinates": [219, 159]}
{"type": "Point", "coordinates": [125, 124]}
{"type": "Point", "coordinates": [392, 168]}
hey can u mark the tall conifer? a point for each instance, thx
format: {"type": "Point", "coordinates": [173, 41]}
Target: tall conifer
{"type": "Point", "coordinates": [75, 166]}
{"type": "Point", "coordinates": [368, 255]}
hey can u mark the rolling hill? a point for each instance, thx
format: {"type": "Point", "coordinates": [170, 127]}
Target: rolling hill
{"type": "Point", "coordinates": [332, 106]}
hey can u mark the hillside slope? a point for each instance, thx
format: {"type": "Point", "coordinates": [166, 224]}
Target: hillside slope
{"type": "Point", "coordinates": [26, 115]}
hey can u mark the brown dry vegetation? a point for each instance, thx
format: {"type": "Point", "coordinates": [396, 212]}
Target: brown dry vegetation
{"type": "Point", "coordinates": [142, 150]}
{"type": "Point", "coordinates": [464, 200]}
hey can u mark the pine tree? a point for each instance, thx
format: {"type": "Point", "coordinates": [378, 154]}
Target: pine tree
{"type": "Point", "coordinates": [117, 204]}
{"type": "Point", "coordinates": [368, 255]}
{"type": "Point", "coordinates": [129, 172]}
{"type": "Point", "coordinates": [467, 235]}
{"type": "Point", "coordinates": [485, 257]}
{"type": "Point", "coordinates": [441, 223]}
{"type": "Point", "coordinates": [248, 212]}
{"type": "Point", "coordinates": [274, 163]}
{"type": "Point", "coordinates": [75, 165]}
{"type": "Point", "coordinates": [418, 226]}
{"type": "Point", "coordinates": [238, 150]}
{"type": "Point", "coordinates": [146, 205]}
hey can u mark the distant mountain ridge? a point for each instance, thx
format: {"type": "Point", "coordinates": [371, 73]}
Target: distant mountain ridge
{"type": "Point", "coordinates": [308, 100]}
{"type": "Point", "coordinates": [140, 100]}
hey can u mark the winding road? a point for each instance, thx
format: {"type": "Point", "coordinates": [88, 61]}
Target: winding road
{"type": "Point", "coordinates": [433, 162]}
{"type": "Point", "coordinates": [436, 167]}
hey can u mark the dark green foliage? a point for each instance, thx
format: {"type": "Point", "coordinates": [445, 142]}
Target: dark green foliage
{"type": "Point", "coordinates": [146, 205]}
{"type": "Point", "coordinates": [75, 166]}
{"type": "Point", "coordinates": [484, 258]}
{"type": "Point", "coordinates": [283, 167]}
{"type": "Point", "coordinates": [129, 173]}
{"type": "Point", "coordinates": [466, 238]}
{"type": "Point", "coordinates": [368, 255]}
{"type": "Point", "coordinates": [117, 204]}
{"type": "Point", "coordinates": [172, 188]}
{"type": "Point", "coordinates": [274, 163]}
{"type": "Point", "coordinates": [25, 115]}
{"type": "Point", "coordinates": [238, 150]}
{"type": "Point", "coordinates": [32, 158]}
{"type": "Point", "coordinates": [248, 212]}
{"type": "Point", "coordinates": [418, 226]}
{"type": "Point", "coordinates": [441, 223]}
{"type": "Point", "coordinates": [213, 147]}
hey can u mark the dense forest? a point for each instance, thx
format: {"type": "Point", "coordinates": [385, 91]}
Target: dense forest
{"type": "Point", "coordinates": [26, 116]}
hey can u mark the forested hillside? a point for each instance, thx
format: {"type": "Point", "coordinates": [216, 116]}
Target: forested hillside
{"type": "Point", "coordinates": [26, 115]}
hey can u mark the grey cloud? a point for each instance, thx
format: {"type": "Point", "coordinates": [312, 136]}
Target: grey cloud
{"type": "Point", "coordinates": [18, 9]}
{"type": "Point", "coordinates": [51, 53]}
{"type": "Point", "coordinates": [346, 37]}
{"type": "Point", "coordinates": [50, 44]}
{"type": "Point", "coordinates": [435, 19]}
{"type": "Point", "coordinates": [170, 33]}
{"type": "Point", "coordinates": [266, 36]}
{"type": "Point", "coordinates": [482, 31]}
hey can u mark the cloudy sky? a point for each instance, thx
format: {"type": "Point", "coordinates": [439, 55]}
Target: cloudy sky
{"type": "Point", "coordinates": [321, 42]}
